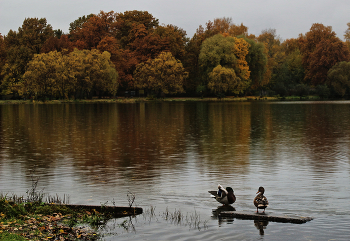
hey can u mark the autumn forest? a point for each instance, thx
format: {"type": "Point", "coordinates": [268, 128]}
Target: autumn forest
{"type": "Point", "coordinates": [108, 53]}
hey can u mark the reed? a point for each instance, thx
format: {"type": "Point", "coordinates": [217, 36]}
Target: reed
{"type": "Point", "coordinates": [177, 217]}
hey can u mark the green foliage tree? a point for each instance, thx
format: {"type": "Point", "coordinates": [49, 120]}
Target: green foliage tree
{"type": "Point", "coordinates": [193, 46]}
{"type": "Point", "coordinates": [78, 23]}
{"type": "Point", "coordinates": [34, 33]}
{"type": "Point", "coordinates": [257, 62]}
{"type": "Point", "coordinates": [339, 78]}
{"type": "Point", "coordinates": [217, 50]}
{"type": "Point", "coordinates": [21, 47]}
{"type": "Point", "coordinates": [287, 75]}
{"type": "Point", "coordinates": [2, 56]}
{"type": "Point", "coordinates": [295, 66]}
{"type": "Point", "coordinates": [58, 33]}
{"type": "Point", "coordinates": [274, 52]}
{"type": "Point", "coordinates": [323, 91]}
{"type": "Point", "coordinates": [14, 68]}
{"type": "Point", "coordinates": [228, 52]}
{"type": "Point", "coordinates": [163, 74]}
{"type": "Point", "coordinates": [191, 63]}
{"type": "Point", "coordinates": [347, 35]}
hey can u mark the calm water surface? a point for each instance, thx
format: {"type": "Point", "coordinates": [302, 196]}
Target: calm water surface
{"type": "Point", "coordinates": [170, 154]}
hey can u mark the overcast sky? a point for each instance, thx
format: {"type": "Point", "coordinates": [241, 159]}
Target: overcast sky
{"type": "Point", "coordinates": [289, 18]}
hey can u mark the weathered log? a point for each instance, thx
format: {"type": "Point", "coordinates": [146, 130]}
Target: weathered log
{"type": "Point", "coordinates": [115, 211]}
{"type": "Point", "coordinates": [265, 217]}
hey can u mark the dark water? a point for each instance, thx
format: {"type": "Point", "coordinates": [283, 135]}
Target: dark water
{"type": "Point", "coordinates": [170, 154]}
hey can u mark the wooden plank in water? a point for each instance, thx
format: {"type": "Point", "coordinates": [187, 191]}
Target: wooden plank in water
{"type": "Point", "coordinates": [116, 211]}
{"type": "Point", "coordinates": [265, 217]}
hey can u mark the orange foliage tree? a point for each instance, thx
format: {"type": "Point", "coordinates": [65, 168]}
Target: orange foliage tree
{"type": "Point", "coordinates": [241, 50]}
{"type": "Point", "coordinates": [321, 49]}
{"type": "Point", "coordinates": [290, 45]}
{"type": "Point", "coordinates": [124, 60]}
{"type": "Point", "coordinates": [58, 44]}
{"type": "Point", "coordinates": [125, 22]}
{"type": "Point", "coordinates": [175, 38]}
{"type": "Point", "coordinates": [146, 44]}
{"type": "Point", "coordinates": [94, 29]}
{"type": "Point", "coordinates": [328, 52]}
{"type": "Point", "coordinates": [131, 37]}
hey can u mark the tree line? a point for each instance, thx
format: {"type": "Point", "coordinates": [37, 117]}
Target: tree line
{"type": "Point", "coordinates": [108, 53]}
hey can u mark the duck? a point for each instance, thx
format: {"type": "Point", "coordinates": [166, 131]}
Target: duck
{"type": "Point", "coordinates": [260, 201]}
{"type": "Point", "coordinates": [224, 196]}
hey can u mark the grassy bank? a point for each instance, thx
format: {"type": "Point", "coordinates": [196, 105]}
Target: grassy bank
{"type": "Point", "coordinates": [22, 219]}
{"type": "Point", "coordinates": [40, 221]}
{"type": "Point", "coordinates": [30, 218]}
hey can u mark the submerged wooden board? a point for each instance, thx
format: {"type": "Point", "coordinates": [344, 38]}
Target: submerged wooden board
{"type": "Point", "coordinates": [115, 210]}
{"type": "Point", "coordinates": [265, 217]}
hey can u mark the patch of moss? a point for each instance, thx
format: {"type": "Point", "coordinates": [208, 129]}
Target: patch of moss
{"type": "Point", "coordinates": [4, 235]}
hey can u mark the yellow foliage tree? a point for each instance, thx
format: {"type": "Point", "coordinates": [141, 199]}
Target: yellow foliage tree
{"type": "Point", "coordinates": [43, 76]}
{"type": "Point", "coordinates": [164, 74]}
{"type": "Point", "coordinates": [93, 72]}
{"type": "Point", "coordinates": [241, 50]}
{"type": "Point", "coordinates": [79, 73]}
{"type": "Point", "coordinates": [222, 79]}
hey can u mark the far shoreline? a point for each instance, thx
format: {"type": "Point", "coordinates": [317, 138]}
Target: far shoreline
{"type": "Point", "coordinates": [166, 99]}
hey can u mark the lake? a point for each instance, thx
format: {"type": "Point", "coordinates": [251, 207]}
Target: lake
{"type": "Point", "coordinates": [170, 154]}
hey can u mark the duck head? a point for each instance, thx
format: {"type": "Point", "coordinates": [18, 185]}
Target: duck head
{"type": "Point", "coordinates": [229, 189]}
{"type": "Point", "coordinates": [261, 190]}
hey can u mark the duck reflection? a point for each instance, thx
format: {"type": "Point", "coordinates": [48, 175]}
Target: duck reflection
{"type": "Point", "coordinates": [220, 209]}
{"type": "Point", "coordinates": [261, 225]}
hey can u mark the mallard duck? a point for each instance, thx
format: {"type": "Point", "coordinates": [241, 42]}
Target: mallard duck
{"type": "Point", "coordinates": [260, 201]}
{"type": "Point", "coordinates": [224, 196]}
